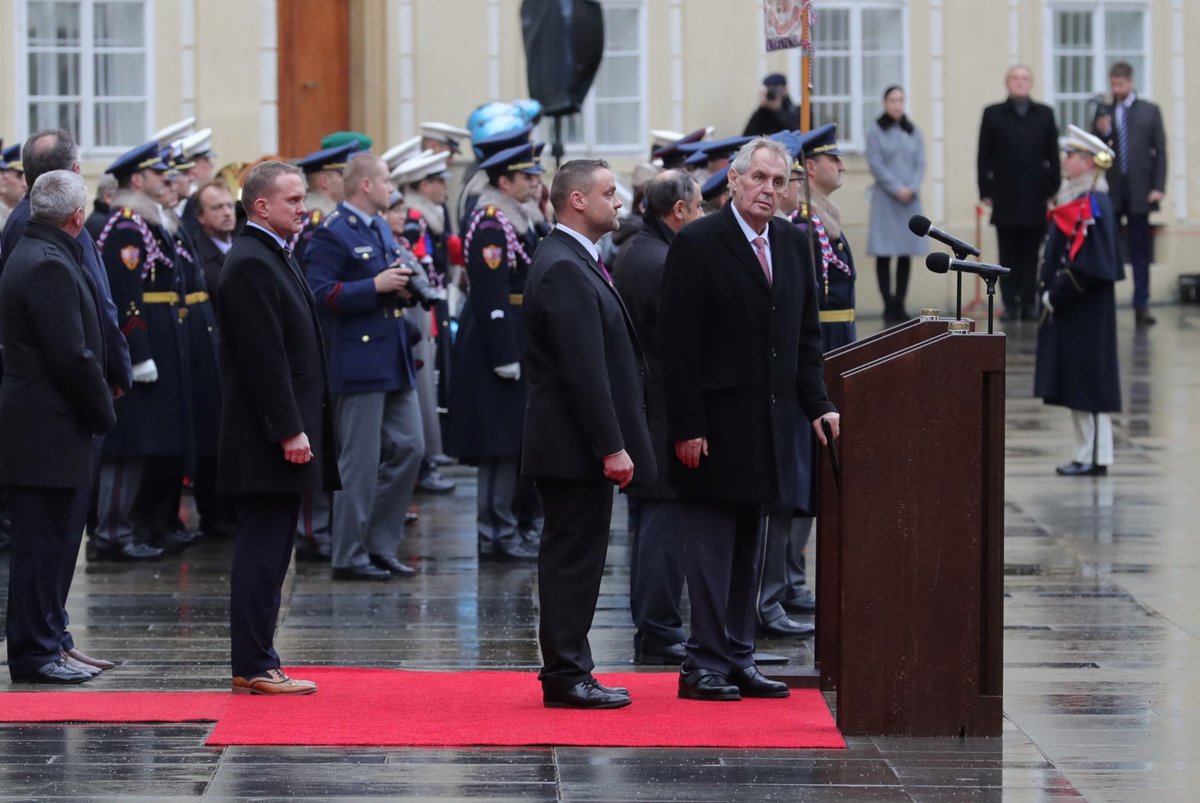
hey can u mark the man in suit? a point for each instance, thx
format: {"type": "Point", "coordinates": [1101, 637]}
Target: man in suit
{"type": "Point", "coordinates": [585, 424]}
{"type": "Point", "coordinates": [277, 433]}
{"type": "Point", "coordinates": [216, 219]}
{"type": "Point", "coordinates": [740, 343]}
{"type": "Point", "coordinates": [354, 269]}
{"type": "Point", "coordinates": [55, 402]}
{"type": "Point", "coordinates": [1133, 128]}
{"type": "Point", "coordinates": [672, 201]}
{"type": "Point", "coordinates": [1018, 174]}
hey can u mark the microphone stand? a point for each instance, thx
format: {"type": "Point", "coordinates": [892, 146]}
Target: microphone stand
{"type": "Point", "coordinates": [961, 254]}
{"type": "Point", "coordinates": [990, 280]}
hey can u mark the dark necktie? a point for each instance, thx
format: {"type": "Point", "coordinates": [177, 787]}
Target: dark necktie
{"type": "Point", "coordinates": [1122, 123]}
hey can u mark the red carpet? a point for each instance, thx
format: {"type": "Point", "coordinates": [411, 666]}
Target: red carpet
{"type": "Point", "coordinates": [449, 709]}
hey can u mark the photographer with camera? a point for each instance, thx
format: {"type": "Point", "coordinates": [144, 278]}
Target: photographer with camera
{"type": "Point", "coordinates": [775, 111]}
{"type": "Point", "coordinates": [363, 289]}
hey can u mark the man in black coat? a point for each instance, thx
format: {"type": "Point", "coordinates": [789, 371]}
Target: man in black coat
{"type": "Point", "coordinates": [1018, 174]}
{"type": "Point", "coordinates": [55, 402]}
{"type": "Point", "coordinates": [585, 424]}
{"type": "Point", "coordinates": [277, 433]}
{"type": "Point", "coordinates": [672, 201]}
{"type": "Point", "coordinates": [1133, 129]}
{"type": "Point", "coordinates": [740, 343]}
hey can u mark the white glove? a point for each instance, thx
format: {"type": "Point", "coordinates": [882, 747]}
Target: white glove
{"type": "Point", "coordinates": [1046, 301]}
{"type": "Point", "coordinates": [145, 372]}
{"type": "Point", "coordinates": [510, 371]}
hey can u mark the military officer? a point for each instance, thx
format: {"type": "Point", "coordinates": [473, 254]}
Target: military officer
{"type": "Point", "coordinates": [326, 189]}
{"type": "Point", "coordinates": [706, 158]}
{"type": "Point", "coordinates": [153, 419]}
{"type": "Point", "coordinates": [443, 138]}
{"type": "Point", "coordinates": [12, 180]}
{"type": "Point", "coordinates": [361, 292]}
{"type": "Point", "coordinates": [487, 405]}
{"type": "Point", "coordinates": [475, 179]}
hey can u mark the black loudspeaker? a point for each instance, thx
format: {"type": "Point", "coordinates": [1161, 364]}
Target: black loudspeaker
{"type": "Point", "coordinates": [564, 43]}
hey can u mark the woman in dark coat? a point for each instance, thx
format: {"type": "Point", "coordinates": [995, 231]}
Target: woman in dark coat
{"type": "Point", "coordinates": [1077, 342]}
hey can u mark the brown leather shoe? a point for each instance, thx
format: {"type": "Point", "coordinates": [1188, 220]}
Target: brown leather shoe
{"type": "Point", "coordinates": [274, 682]}
{"type": "Point", "coordinates": [99, 663]}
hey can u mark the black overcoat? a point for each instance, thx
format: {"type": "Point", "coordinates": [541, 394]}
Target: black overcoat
{"type": "Point", "coordinates": [204, 346]}
{"type": "Point", "coordinates": [638, 278]}
{"type": "Point", "coordinates": [741, 359]}
{"type": "Point", "coordinates": [1077, 364]}
{"type": "Point", "coordinates": [1147, 171]}
{"type": "Point", "coordinates": [55, 398]}
{"type": "Point", "coordinates": [586, 373]}
{"type": "Point", "coordinates": [1017, 162]}
{"type": "Point", "coordinates": [273, 375]}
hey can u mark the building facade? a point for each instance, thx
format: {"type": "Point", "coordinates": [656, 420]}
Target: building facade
{"type": "Point", "coordinates": [270, 75]}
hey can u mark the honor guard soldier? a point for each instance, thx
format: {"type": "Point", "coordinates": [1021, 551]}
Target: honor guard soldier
{"type": "Point", "coordinates": [196, 151]}
{"type": "Point", "coordinates": [715, 191]}
{"type": "Point", "coordinates": [323, 177]}
{"type": "Point", "coordinates": [706, 158]}
{"type": "Point", "coordinates": [426, 230]}
{"type": "Point", "coordinates": [141, 261]}
{"type": "Point", "coordinates": [670, 153]}
{"type": "Point", "coordinates": [362, 293]}
{"type": "Point", "coordinates": [443, 138]}
{"type": "Point", "coordinates": [501, 134]}
{"type": "Point", "coordinates": [487, 404]}
{"type": "Point", "coordinates": [12, 180]}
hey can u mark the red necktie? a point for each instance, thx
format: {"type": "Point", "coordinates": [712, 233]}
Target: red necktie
{"type": "Point", "coordinates": [760, 249]}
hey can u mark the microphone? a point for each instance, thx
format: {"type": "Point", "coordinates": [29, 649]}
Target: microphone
{"type": "Point", "coordinates": [940, 263]}
{"type": "Point", "coordinates": [920, 226]}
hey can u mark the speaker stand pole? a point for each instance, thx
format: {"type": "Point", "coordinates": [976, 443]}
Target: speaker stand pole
{"type": "Point", "coordinates": [556, 148]}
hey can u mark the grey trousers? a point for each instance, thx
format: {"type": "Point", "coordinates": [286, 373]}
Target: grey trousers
{"type": "Point", "coordinates": [426, 352]}
{"type": "Point", "coordinates": [116, 489]}
{"type": "Point", "coordinates": [495, 517]}
{"type": "Point", "coordinates": [656, 572]}
{"type": "Point", "coordinates": [781, 567]}
{"type": "Point", "coordinates": [382, 448]}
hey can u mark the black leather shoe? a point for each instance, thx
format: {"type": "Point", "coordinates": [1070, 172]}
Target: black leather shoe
{"type": "Point", "coordinates": [410, 516]}
{"type": "Point", "coordinates": [367, 572]}
{"type": "Point", "coordinates": [129, 552]}
{"type": "Point", "coordinates": [1143, 318]}
{"type": "Point", "coordinates": [1077, 469]}
{"type": "Point", "coordinates": [392, 565]}
{"type": "Point", "coordinates": [786, 627]}
{"type": "Point", "coordinates": [751, 682]}
{"type": "Point", "coordinates": [704, 684]}
{"type": "Point", "coordinates": [651, 652]}
{"type": "Point", "coordinates": [515, 549]}
{"type": "Point", "coordinates": [310, 554]}
{"type": "Point", "coordinates": [805, 601]}
{"type": "Point", "coordinates": [174, 541]}
{"type": "Point", "coordinates": [584, 694]}
{"type": "Point", "coordinates": [54, 672]}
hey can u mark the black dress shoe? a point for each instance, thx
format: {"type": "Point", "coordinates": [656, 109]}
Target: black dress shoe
{"type": "Point", "coordinates": [129, 552]}
{"type": "Point", "coordinates": [805, 601]}
{"type": "Point", "coordinates": [703, 684]}
{"type": "Point", "coordinates": [1144, 318]}
{"type": "Point", "coordinates": [367, 572]}
{"type": "Point", "coordinates": [410, 516]}
{"type": "Point", "coordinates": [515, 549]}
{"type": "Point", "coordinates": [54, 672]}
{"type": "Point", "coordinates": [786, 627]}
{"type": "Point", "coordinates": [392, 565]}
{"type": "Point", "coordinates": [586, 693]}
{"type": "Point", "coordinates": [321, 553]}
{"type": "Point", "coordinates": [751, 682]}
{"type": "Point", "coordinates": [173, 542]}
{"type": "Point", "coordinates": [651, 652]}
{"type": "Point", "coordinates": [1077, 469]}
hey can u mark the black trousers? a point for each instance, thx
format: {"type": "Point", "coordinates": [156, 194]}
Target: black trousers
{"type": "Point", "coordinates": [1020, 249]}
{"type": "Point", "coordinates": [720, 559]}
{"type": "Point", "coordinates": [47, 530]}
{"type": "Point", "coordinates": [656, 572]}
{"type": "Point", "coordinates": [262, 550]}
{"type": "Point", "coordinates": [570, 567]}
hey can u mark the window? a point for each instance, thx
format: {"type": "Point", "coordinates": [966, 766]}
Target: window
{"type": "Point", "coordinates": [860, 52]}
{"type": "Point", "coordinates": [613, 118]}
{"type": "Point", "coordinates": [86, 67]}
{"type": "Point", "coordinates": [1086, 38]}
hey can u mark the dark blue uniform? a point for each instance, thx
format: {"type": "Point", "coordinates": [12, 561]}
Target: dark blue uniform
{"type": "Point", "coordinates": [835, 283]}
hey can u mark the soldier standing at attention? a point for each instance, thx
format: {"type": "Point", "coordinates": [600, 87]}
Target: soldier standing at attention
{"type": "Point", "coordinates": [487, 405]}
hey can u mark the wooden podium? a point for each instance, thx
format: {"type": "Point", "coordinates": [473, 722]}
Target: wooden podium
{"type": "Point", "coordinates": [910, 550]}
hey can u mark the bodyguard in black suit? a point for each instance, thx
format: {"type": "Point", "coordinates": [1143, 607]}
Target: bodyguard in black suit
{"type": "Point", "coordinates": [585, 424]}
{"type": "Point", "coordinates": [54, 402]}
{"type": "Point", "coordinates": [277, 433]}
{"type": "Point", "coordinates": [740, 343]}
{"type": "Point", "coordinates": [1133, 128]}
{"type": "Point", "coordinates": [1018, 174]}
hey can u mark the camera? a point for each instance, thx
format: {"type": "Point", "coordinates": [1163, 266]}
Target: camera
{"type": "Point", "coordinates": [772, 94]}
{"type": "Point", "coordinates": [422, 291]}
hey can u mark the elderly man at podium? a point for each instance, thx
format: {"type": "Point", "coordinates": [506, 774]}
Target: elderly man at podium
{"type": "Point", "coordinates": [740, 346]}
{"type": "Point", "coordinates": [1077, 342]}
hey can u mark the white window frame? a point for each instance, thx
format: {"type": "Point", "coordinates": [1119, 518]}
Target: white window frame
{"type": "Point", "coordinates": [589, 146]}
{"type": "Point", "coordinates": [86, 135]}
{"type": "Point", "coordinates": [1142, 80]}
{"type": "Point", "coordinates": [855, 140]}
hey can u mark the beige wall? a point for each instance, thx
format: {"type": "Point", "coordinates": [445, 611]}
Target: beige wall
{"type": "Point", "coordinates": [415, 60]}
